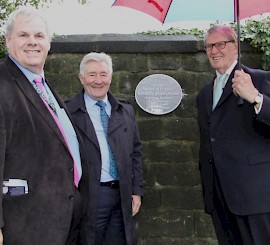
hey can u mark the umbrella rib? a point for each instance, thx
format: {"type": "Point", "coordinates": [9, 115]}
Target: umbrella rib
{"type": "Point", "coordinates": [156, 5]}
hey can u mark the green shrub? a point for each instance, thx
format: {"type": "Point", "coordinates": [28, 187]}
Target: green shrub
{"type": "Point", "coordinates": [256, 32]}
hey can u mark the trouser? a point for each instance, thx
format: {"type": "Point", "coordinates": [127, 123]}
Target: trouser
{"type": "Point", "coordinates": [109, 218]}
{"type": "Point", "coordinates": [234, 229]}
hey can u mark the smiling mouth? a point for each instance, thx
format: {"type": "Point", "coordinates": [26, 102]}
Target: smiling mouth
{"type": "Point", "coordinates": [32, 51]}
{"type": "Point", "coordinates": [216, 58]}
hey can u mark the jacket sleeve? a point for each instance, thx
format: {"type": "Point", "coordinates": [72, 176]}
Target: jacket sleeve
{"type": "Point", "coordinates": [137, 168]}
{"type": "Point", "coordinates": [264, 88]}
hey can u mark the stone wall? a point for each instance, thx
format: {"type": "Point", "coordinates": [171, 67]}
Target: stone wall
{"type": "Point", "coordinates": [172, 210]}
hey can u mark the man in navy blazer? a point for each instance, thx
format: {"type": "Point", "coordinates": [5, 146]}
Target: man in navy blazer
{"type": "Point", "coordinates": [113, 200]}
{"type": "Point", "coordinates": [234, 156]}
{"type": "Point", "coordinates": [40, 202]}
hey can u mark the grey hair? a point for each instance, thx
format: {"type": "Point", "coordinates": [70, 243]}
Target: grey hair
{"type": "Point", "coordinates": [227, 30]}
{"type": "Point", "coordinates": [27, 11]}
{"type": "Point", "coordinates": [98, 57]}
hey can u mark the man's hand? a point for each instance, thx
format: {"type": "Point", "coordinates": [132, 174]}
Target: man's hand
{"type": "Point", "coordinates": [1, 237]}
{"type": "Point", "coordinates": [136, 204]}
{"type": "Point", "coordinates": [243, 86]}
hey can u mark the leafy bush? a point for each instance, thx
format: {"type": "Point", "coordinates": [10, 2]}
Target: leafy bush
{"type": "Point", "coordinates": [258, 35]}
{"type": "Point", "coordinates": [2, 46]}
{"type": "Point", "coordinates": [256, 32]}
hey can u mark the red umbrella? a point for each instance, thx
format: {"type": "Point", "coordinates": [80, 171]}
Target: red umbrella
{"type": "Point", "coordinates": [197, 9]}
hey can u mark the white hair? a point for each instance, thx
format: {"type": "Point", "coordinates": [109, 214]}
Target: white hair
{"type": "Point", "coordinates": [27, 11]}
{"type": "Point", "coordinates": [98, 57]}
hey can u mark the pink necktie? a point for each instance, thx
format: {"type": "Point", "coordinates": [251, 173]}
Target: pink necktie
{"type": "Point", "coordinates": [38, 81]}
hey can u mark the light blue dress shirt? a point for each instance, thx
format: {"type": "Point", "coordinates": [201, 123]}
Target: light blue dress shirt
{"type": "Point", "coordinates": [62, 116]}
{"type": "Point", "coordinates": [93, 111]}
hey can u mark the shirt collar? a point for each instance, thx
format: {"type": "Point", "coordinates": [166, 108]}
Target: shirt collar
{"type": "Point", "coordinates": [229, 71]}
{"type": "Point", "coordinates": [29, 74]}
{"type": "Point", "coordinates": [91, 102]}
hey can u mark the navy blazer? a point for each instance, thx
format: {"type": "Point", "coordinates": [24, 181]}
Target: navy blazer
{"type": "Point", "coordinates": [124, 140]}
{"type": "Point", "coordinates": [236, 140]}
{"type": "Point", "coordinates": [32, 148]}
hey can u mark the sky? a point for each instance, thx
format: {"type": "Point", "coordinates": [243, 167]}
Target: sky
{"type": "Point", "coordinates": [100, 17]}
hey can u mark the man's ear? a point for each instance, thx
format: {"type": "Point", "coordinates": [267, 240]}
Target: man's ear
{"type": "Point", "coordinates": [7, 39]}
{"type": "Point", "coordinates": [81, 78]}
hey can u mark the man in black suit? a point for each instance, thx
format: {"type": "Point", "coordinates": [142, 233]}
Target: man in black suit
{"type": "Point", "coordinates": [114, 198]}
{"type": "Point", "coordinates": [234, 155]}
{"type": "Point", "coordinates": [40, 164]}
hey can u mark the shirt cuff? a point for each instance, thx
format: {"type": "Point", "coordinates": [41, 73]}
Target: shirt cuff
{"type": "Point", "coordinates": [257, 111]}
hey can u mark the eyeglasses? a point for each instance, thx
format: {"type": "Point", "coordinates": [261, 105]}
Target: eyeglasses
{"type": "Point", "coordinates": [218, 45]}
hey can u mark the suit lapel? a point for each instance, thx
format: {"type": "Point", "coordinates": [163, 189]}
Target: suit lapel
{"type": "Point", "coordinates": [86, 126]}
{"type": "Point", "coordinates": [81, 118]}
{"type": "Point", "coordinates": [114, 122]}
{"type": "Point", "coordinates": [34, 99]}
{"type": "Point", "coordinates": [227, 91]}
{"type": "Point", "coordinates": [208, 99]}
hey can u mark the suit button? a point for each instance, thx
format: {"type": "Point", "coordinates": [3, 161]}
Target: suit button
{"type": "Point", "coordinates": [71, 197]}
{"type": "Point", "coordinates": [71, 169]}
{"type": "Point", "coordinates": [213, 139]}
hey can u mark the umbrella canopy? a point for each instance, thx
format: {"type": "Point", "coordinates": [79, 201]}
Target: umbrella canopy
{"type": "Point", "coordinates": [213, 10]}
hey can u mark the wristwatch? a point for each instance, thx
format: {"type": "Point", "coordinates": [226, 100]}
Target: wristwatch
{"type": "Point", "coordinates": [257, 99]}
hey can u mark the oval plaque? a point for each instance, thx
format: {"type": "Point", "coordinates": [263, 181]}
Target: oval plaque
{"type": "Point", "coordinates": [158, 94]}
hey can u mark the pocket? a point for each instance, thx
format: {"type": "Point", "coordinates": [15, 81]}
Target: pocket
{"type": "Point", "coordinates": [259, 157]}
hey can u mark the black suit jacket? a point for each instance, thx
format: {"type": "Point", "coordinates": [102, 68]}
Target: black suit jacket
{"type": "Point", "coordinates": [124, 140]}
{"type": "Point", "coordinates": [33, 149]}
{"type": "Point", "coordinates": [236, 141]}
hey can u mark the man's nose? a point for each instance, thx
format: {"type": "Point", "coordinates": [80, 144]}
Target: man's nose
{"type": "Point", "coordinates": [32, 40]}
{"type": "Point", "coordinates": [98, 78]}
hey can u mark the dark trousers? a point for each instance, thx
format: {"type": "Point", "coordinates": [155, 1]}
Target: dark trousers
{"type": "Point", "coordinates": [109, 218]}
{"type": "Point", "coordinates": [234, 229]}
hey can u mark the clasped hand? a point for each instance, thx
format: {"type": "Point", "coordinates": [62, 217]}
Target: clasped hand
{"type": "Point", "coordinates": [242, 86]}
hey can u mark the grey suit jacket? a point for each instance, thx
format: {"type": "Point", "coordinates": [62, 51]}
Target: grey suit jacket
{"type": "Point", "coordinates": [33, 149]}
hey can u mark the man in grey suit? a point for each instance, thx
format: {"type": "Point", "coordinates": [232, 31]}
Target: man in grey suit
{"type": "Point", "coordinates": [115, 196]}
{"type": "Point", "coordinates": [234, 153]}
{"type": "Point", "coordinates": [40, 164]}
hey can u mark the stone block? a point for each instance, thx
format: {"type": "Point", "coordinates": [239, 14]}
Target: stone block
{"type": "Point", "coordinates": [177, 174]}
{"type": "Point", "coordinates": [167, 151]}
{"type": "Point", "coordinates": [164, 62]}
{"type": "Point", "coordinates": [130, 62]}
{"type": "Point", "coordinates": [152, 129]}
{"type": "Point", "coordinates": [153, 223]}
{"type": "Point", "coordinates": [188, 107]}
{"type": "Point", "coordinates": [176, 241]}
{"type": "Point", "coordinates": [197, 63]}
{"type": "Point", "coordinates": [203, 225]}
{"type": "Point", "coordinates": [149, 173]}
{"type": "Point", "coordinates": [181, 129]}
{"type": "Point", "coordinates": [151, 199]}
{"type": "Point", "coordinates": [183, 198]}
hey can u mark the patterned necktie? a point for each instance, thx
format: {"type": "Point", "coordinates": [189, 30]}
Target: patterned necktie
{"type": "Point", "coordinates": [105, 121]}
{"type": "Point", "coordinates": [220, 83]}
{"type": "Point", "coordinates": [44, 96]}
